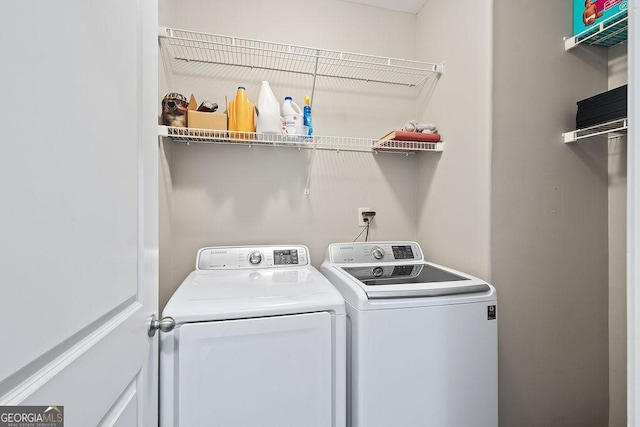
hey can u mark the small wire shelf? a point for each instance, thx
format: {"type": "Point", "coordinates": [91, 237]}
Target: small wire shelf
{"type": "Point", "coordinates": [396, 146]}
{"type": "Point", "coordinates": [610, 32]}
{"type": "Point", "coordinates": [613, 128]}
{"type": "Point", "coordinates": [185, 46]}
{"type": "Point", "coordinates": [335, 143]}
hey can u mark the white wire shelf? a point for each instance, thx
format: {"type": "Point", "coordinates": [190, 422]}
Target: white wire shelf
{"type": "Point", "coordinates": [609, 32]}
{"type": "Point", "coordinates": [613, 128]}
{"type": "Point", "coordinates": [185, 46]}
{"type": "Point", "coordinates": [334, 143]}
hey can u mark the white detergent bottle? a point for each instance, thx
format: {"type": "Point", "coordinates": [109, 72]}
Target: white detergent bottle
{"type": "Point", "coordinates": [292, 115]}
{"type": "Point", "coordinates": [268, 111]}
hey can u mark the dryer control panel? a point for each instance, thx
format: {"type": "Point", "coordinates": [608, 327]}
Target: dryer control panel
{"type": "Point", "coordinates": [238, 257]}
{"type": "Point", "coordinates": [374, 252]}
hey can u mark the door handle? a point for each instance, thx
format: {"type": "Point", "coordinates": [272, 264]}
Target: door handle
{"type": "Point", "coordinates": [166, 324]}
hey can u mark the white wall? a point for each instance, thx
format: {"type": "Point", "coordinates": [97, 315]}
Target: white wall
{"type": "Point", "coordinates": [454, 188]}
{"type": "Point", "coordinates": [224, 195]}
{"type": "Point", "coordinates": [549, 222]}
{"type": "Point", "coordinates": [617, 255]}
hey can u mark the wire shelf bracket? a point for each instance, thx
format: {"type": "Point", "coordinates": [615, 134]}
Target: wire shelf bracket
{"type": "Point", "coordinates": [613, 128]}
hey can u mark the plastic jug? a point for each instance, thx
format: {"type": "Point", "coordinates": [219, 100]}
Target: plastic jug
{"type": "Point", "coordinates": [292, 115]}
{"type": "Point", "coordinates": [241, 113]}
{"type": "Point", "coordinates": [268, 111]}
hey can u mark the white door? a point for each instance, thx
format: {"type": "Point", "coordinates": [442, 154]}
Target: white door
{"type": "Point", "coordinates": [78, 216]}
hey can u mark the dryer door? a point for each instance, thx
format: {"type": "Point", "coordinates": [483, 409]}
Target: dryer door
{"type": "Point", "coordinates": [269, 372]}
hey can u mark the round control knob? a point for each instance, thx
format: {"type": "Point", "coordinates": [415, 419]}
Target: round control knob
{"type": "Point", "coordinates": [377, 252]}
{"type": "Point", "coordinates": [255, 257]}
{"type": "Point", "coordinates": [377, 272]}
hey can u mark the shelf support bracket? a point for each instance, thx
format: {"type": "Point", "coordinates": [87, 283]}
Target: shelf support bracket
{"type": "Point", "coordinates": [313, 153]}
{"type": "Point", "coordinates": [315, 75]}
{"type": "Point", "coordinates": [569, 137]}
{"type": "Point", "coordinates": [310, 169]}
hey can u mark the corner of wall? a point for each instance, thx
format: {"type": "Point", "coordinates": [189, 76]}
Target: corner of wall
{"type": "Point", "coordinates": [457, 182]}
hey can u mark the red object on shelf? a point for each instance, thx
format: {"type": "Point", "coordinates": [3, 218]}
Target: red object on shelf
{"type": "Point", "coordinates": [402, 141]}
{"type": "Point", "coordinates": [399, 135]}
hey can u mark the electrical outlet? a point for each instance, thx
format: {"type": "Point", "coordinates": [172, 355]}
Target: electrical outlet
{"type": "Point", "coordinates": [361, 222]}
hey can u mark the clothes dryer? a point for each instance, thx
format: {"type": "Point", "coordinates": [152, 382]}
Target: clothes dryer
{"type": "Point", "coordinates": [422, 338]}
{"type": "Point", "coordinates": [259, 341]}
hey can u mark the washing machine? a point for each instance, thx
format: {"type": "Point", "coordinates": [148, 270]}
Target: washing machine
{"type": "Point", "coordinates": [422, 338]}
{"type": "Point", "coordinates": [259, 340]}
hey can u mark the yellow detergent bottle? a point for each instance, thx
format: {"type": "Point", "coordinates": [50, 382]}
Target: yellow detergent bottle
{"type": "Point", "coordinates": [241, 112]}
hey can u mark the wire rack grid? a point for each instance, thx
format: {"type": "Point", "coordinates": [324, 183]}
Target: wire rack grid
{"type": "Point", "coordinates": [184, 45]}
{"type": "Point", "coordinates": [613, 128]}
{"type": "Point", "coordinates": [335, 143]}
{"type": "Point", "coordinates": [610, 32]}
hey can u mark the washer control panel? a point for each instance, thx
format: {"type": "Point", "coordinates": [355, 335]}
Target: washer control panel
{"type": "Point", "coordinates": [235, 257]}
{"type": "Point", "coordinates": [285, 256]}
{"type": "Point", "coordinates": [374, 252]}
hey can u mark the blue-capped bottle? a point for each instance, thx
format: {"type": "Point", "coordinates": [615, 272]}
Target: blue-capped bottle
{"type": "Point", "coordinates": [307, 115]}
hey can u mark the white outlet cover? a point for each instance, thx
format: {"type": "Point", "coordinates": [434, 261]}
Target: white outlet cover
{"type": "Point", "coordinates": [361, 222]}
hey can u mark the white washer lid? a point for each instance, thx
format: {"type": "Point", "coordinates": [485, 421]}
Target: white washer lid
{"type": "Point", "coordinates": [241, 294]}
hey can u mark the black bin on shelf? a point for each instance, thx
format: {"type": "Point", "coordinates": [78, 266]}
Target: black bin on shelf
{"type": "Point", "coordinates": [602, 108]}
